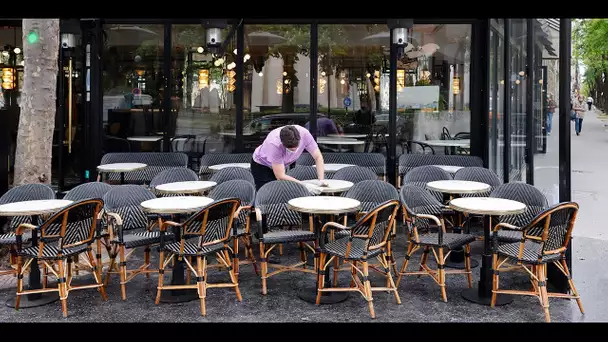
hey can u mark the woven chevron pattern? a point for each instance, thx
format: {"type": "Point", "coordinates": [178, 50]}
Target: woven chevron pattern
{"type": "Point", "coordinates": [478, 174]}
{"type": "Point", "coordinates": [409, 161]}
{"type": "Point", "coordinates": [355, 174]}
{"type": "Point", "coordinates": [156, 162]}
{"type": "Point", "coordinates": [373, 161]}
{"type": "Point", "coordinates": [221, 158]}
{"type": "Point", "coordinates": [72, 225]}
{"type": "Point", "coordinates": [27, 192]}
{"type": "Point", "coordinates": [372, 193]}
{"type": "Point", "coordinates": [212, 223]}
{"type": "Point", "coordinates": [426, 174]}
{"type": "Point", "coordinates": [272, 200]}
{"type": "Point", "coordinates": [527, 194]}
{"type": "Point", "coordinates": [238, 188]}
{"type": "Point", "coordinates": [125, 201]}
{"type": "Point", "coordinates": [232, 173]}
{"type": "Point", "coordinates": [88, 191]}
{"type": "Point", "coordinates": [172, 175]}
{"type": "Point", "coordinates": [303, 173]}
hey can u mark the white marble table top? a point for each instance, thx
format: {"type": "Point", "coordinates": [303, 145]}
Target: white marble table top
{"type": "Point", "coordinates": [348, 135]}
{"type": "Point", "coordinates": [333, 185]}
{"type": "Point", "coordinates": [223, 166]}
{"type": "Point", "coordinates": [449, 143]}
{"type": "Point", "coordinates": [146, 138]}
{"type": "Point", "coordinates": [190, 187]}
{"type": "Point", "coordinates": [121, 167]}
{"type": "Point", "coordinates": [457, 186]}
{"type": "Point", "coordinates": [487, 206]}
{"type": "Point", "coordinates": [37, 207]}
{"type": "Point", "coordinates": [449, 168]}
{"type": "Point", "coordinates": [335, 141]}
{"type": "Point", "coordinates": [324, 205]}
{"type": "Point", "coordinates": [335, 167]}
{"type": "Point", "coordinates": [176, 205]}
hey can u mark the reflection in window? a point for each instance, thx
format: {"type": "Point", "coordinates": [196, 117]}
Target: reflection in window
{"type": "Point", "coordinates": [496, 125]}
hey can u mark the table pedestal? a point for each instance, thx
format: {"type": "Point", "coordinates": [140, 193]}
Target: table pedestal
{"type": "Point", "coordinates": [483, 294]}
{"type": "Point", "coordinates": [178, 278]}
{"type": "Point", "coordinates": [457, 256]}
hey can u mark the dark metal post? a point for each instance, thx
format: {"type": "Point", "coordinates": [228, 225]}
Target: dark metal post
{"type": "Point", "coordinates": [96, 146]}
{"type": "Point", "coordinates": [60, 117]}
{"type": "Point", "coordinates": [565, 187]}
{"type": "Point", "coordinates": [480, 80]}
{"type": "Point", "coordinates": [314, 77]}
{"type": "Point", "coordinates": [506, 116]}
{"type": "Point", "coordinates": [495, 85]}
{"type": "Point", "coordinates": [168, 117]}
{"type": "Point", "coordinates": [240, 76]}
{"type": "Point", "coordinates": [543, 117]}
{"type": "Point", "coordinates": [392, 115]}
{"type": "Point", "coordinates": [530, 87]}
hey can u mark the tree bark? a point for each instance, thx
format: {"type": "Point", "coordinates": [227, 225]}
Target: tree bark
{"type": "Point", "coordinates": [38, 102]}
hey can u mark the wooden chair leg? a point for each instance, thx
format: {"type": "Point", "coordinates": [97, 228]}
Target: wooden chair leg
{"type": "Point", "coordinates": [441, 273]}
{"type": "Point", "coordinates": [97, 275]}
{"type": "Point", "coordinates": [99, 262]}
{"type": "Point", "coordinates": [336, 271]}
{"type": "Point", "coordinates": [368, 290]}
{"type": "Point", "coordinates": [19, 281]}
{"type": "Point", "coordinates": [63, 296]}
{"type": "Point", "coordinates": [321, 276]}
{"type": "Point", "coordinates": [423, 259]}
{"type": "Point", "coordinates": [161, 273]}
{"type": "Point", "coordinates": [390, 281]}
{"type": "Point", "coordinates": [201, 283]}
{"type": "Point", "coordinates": [410, 248]}
{"type": "Point", "coordinates": [235, 257]}
{"type": "Point", "coordinates": [495, 280]}
{"type": "Point", "coordinates": [147, 260]}
{"type": "Point", "coordinates": [264, 263]}
{"type": "Point", "coordinates": [572, 288]}
{"type": "Point", "coordinates": [233, 276]}
{"type": "Point", "coordinates": [467, 265]}
{"type": "Point", "coordinates": [249, 248]}
{"type": "Point", "coordinates": [123, 272]}
{"type": "Point", "coordinates": [542, 284]}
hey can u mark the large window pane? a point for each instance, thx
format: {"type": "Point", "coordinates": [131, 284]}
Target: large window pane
{"type": "Point", "coordinates": [277, 79]}
{"type": "Point", "coordinates": [497, 81]}
{"type": "Point", "coordinates": [203, 109]}
{"type": "Point", "coordinates": [133, 87]}
{"type": "Point", "coordinates": [517, 82]}
{"type": "Point", "coordinates": [546, 157]}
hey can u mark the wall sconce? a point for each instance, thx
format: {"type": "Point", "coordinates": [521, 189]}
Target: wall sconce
{"type": "Point", "coordinates": [231, 80]}
{"type": "Point", "coordinates": [456, 86]}
{"type": "Point", "coordinates": [540, 81]}
{"type": "Point", "coordinates": [8, 78]}
{"type": "Point", "coordinates": [140, 72]}
{"type": "Point", "coordinates": [521, 73]}
{"type": "Point", "coordinates": [517, 81]}
{"type": "Point", "coordinates": [377, 81]}
{"type": "Point", "coordinates": [203, 78]}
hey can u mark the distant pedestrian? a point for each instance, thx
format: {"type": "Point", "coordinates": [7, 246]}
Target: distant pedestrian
{"type": "Point", "coordinates": [579, 109]}
{"type": "Point", "coordinates": [590, 102]}
{"type": "Point", "coordinates": [550, 110]}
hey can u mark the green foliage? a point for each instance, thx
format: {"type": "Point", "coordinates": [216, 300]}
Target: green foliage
{"type": "Point", "coordinates": [590, 46]}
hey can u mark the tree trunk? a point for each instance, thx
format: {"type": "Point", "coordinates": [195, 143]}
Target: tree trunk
{"type": "Point", "coordinates": [38, 102]}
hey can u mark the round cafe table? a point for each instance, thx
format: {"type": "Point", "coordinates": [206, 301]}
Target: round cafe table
{"type": "Point", "coordinates": [121, 168]}
{"type": "Point", "coordinates": [335, 167]}
{"type": "Point", "coordinates": [190, 187]}
{"type": "Point", "coordinates": [488, 207]}
{"type": "Point", "coordinates": [450, 189]}
{"type": "Point", "coordinates": [223, 166]}
{"type": "Point", "coordinates": [34, 209]}
{"type": "Point", "coordinates": [325, 206]}
{"type": "Point", "coordinates": [177, 206]}
{"type": "Point", "coordinates": [449, 168]}
{"type": "Point", "coordinates": [334, 186]}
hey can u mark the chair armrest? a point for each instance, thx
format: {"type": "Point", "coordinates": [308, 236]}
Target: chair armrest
{"type": "Point", "coordinates": [505, 225]}
{"type": "Point", "coordinates": [333, 225]}
{"type": "Point", "coordinates": [19, 232]}
{"type": "Point", "coordinates": [430, 217]}
{"type": "Point", "coordinates": [258, 218]}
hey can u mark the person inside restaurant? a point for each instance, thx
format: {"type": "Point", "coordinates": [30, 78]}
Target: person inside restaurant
{"type": "Point", "coordinates": [325, 127]}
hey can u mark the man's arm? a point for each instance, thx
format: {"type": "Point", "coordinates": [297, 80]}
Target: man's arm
{"type": "Point", "coordinates": [319, 163]}
{"type": "Point", "coordinates": [279, 173]}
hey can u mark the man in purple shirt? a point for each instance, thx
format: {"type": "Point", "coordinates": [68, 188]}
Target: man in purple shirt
{"type": "Point", "coordinates": [281, 148]}
{"type": "Point", "coordinates": [325, 126]}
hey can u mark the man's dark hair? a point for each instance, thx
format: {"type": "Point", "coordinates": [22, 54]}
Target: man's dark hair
{"type": "Point", "coordinates": [290, 137]}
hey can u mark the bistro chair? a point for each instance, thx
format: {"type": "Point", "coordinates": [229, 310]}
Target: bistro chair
{"type": "Point", "coordinates": [283, 226]}
{"type": "Point", "coordinates": [26, 192]}
{"type": "Point", "coordinates": [545, 241]}
{"type": "Point", "coordinates": [220, 158]}
{"type": "Point", "coordinates": [204, 234]}
{"type": "Point", "coordinates": [355, 174]}
{"type": "Point", "coordinates": [303, 173]}
{"type": "Point", "coordinates": [64, 235]}
{"type": "Point", "coordinates": [527, 194]}
{"type": "Point", "coordinates": [87, 191]}
{"type": "Point", "coordinates": [368, 238]}
{"type": "Point", "coordinates": [421, 175]}
{"type": "Point", "coordinates": [232, 173]}
{"type": "Point", "coordinates": [481, 175]}
{"type": "Point", "coordinates": [427, 230]}
{"type": "Point", "coordinates": [129, 228]}
{"type": "Point", "coordinates": [176, 174]}
{"type": "Point", "coordinates": [245, 192]}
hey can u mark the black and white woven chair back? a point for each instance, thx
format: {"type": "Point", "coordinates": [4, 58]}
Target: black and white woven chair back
{"type": "Point", "coordinates": [303, 173]}
{"type": "Point", "coordinates": [176, 174]}
{"type": "Point", "coordinates": [73, 226]}
{"type": "Point", "coordinates": [355, 174]}
{"type": "Point", "coordinates": [527, 194]}
{"type": "Point", "coordinates": [238, 188]}
{"type": "Point", "coordinates": [426, 174]}
{"type": "Point", "coordinates": [156, 163]}
{"type": "Point", "coordinates": [271, 200]}
{"type": "Point", "coordinates": [88, 191]}
{"type": "Point", "coordinates": [481, 175]}
{"type": "Point", "coordinates": [220, 158]}
{"type": "Point", "coordinates": [407, 162]}
{"type": "Point", "coordinates": [26, 192]}
{"type": "Point", "coordinates": [213, 223]}
{"type": "Point", "coordinates": [372, 193]}
{"type": "Point", "coordinates": [373, 161]}
{"type": "Point", "coordinates": [375, 226]}
{"type": "Point", "coordinates": [416, 201]}
{"type": "Point", "coordinates": [552, 228]}
{"type": "Point", "coordinates": [125, 201]}
{"type": "Point", "coordinates": [232, 173]}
